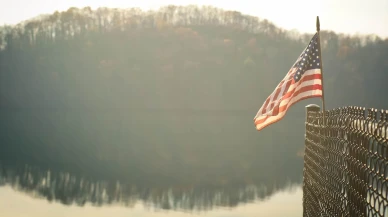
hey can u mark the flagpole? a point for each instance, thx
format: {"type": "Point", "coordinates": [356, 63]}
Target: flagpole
{"type": "Point", "coordinates": [320, 62]}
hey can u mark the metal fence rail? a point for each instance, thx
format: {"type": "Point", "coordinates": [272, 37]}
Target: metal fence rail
{"type": "Point", "coordinates": [345, 162]}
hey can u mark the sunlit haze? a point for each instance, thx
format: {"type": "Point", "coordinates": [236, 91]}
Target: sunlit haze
{"type": "Point", "coordinates": [345, 16]}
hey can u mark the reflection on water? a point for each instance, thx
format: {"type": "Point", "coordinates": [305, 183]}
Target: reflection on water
{"type": "Point", "coordinates": [72, 190]}
{"type": "Point", "coordinates": [281, 204]}
{"type": "Point", "coordinates": [136, 162]}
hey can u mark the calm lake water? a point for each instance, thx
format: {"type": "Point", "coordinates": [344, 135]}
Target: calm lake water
{"type": "Point", "coordinates": [104, 163]}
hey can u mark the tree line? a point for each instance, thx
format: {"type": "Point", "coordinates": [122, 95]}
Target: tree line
{"type": "Point", "coordinates": [212, 57]}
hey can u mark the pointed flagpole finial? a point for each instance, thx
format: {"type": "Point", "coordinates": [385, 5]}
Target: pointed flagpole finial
{"type": "Point", "coordinates": [318, 25]}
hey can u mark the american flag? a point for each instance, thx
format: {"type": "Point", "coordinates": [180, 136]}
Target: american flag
{"type": "Point", "coordinates": [304, 80]}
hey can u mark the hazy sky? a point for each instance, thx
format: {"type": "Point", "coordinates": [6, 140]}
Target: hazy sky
{"type": "Point", "coordinates": [347, 16]}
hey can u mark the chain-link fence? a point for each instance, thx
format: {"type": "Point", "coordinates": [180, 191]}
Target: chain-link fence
{"type": "Point", "coordinates": [346, 162]}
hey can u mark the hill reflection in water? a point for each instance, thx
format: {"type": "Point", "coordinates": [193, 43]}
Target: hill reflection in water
{"type": "Point", "coordinates": [102, 159]}
{"type": "Point", "coordinates": [71, 190]}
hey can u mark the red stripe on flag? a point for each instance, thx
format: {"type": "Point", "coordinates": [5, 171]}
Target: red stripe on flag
{"type": "Point", "coordinates": [278, 119]}
{"type": "Point", "coordinates": [276, 108]}
{"type": "Point", "coordinates": [304, 79]}
{"type": "Point", "coordinates": [278, 90]}
{"type": "Point", "coordinates": [286, 96]}
{"type": "Point", "coordinates": [293, 94]}
{"type": "Point", "coordinates": [266, 104]}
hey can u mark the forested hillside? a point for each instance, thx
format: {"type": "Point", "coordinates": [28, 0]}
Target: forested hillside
{"type": "Point", "coordinates": [177, 57]}
{"type": "Point", "coordinates": [171, 92]}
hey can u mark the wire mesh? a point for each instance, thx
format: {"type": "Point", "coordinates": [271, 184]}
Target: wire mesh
{"type": "Point", "coordinates": [345, 163]}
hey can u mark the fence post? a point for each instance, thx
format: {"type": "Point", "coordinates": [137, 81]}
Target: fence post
{"type": "Point", "coordinates": [314, 108]}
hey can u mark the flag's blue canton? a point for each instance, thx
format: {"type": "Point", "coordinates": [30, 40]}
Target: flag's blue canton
{"type": "Point", "coordinates": [309, 59]}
